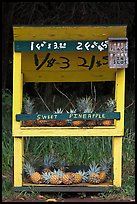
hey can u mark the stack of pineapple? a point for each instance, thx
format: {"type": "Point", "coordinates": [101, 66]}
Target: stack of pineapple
{"type": "Point", "coordinates": [83, 105]}
{"type": "Point", "coordinates": [97, 173]}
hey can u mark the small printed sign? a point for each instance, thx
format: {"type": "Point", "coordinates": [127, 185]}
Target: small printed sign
{"type": "Point", "coordinates": [118, 53]}
{"type": "Point", "coordinates": [74, 45]}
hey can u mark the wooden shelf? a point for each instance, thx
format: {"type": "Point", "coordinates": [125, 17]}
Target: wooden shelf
{"type": "Point", "coordinates": [68, 131]}
{"type": "Point", "coordinates": [82, 187]}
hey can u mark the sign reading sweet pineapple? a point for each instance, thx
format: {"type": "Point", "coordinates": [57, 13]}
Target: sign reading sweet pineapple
{"type": "Point", "coordinates": [69, 116]}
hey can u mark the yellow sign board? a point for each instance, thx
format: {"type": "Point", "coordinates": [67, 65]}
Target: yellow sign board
{"type": "Point", "coordinates": [66, 67]}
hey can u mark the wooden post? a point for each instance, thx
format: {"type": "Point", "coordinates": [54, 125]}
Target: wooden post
{"type": "Point", "coordinates": [18, 160]}
{"type": "Point", "coordinates": [120, 97]}
{"type": "Point", "coordinates": [117, 141]}
{"type": "Point", "coordinates": [117, 160]}
{"type": "Point", "coordinates": [17, 108]}
{"type": "Point", "coordinates": [17, 91]}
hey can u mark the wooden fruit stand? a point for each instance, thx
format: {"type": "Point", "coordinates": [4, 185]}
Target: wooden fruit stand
{"type": "Point", "coordinates": [77, 51]}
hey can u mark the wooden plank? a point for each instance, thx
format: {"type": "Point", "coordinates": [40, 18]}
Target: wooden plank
{"type": "Point", "coordinates": [57, 132]}
{"type": "Point", "coordinates": [120, 96]}
{"type": "Point", "coordinates": [107, 183]}
{"type": "Point", "coordinates": [69, 116]}
{"type": "Point", "coordinates": [63, 189]}
{"type": "Point", "coordinates": [72, 76]}
{"type": "Point", "coordinates": [68, 32]}
{"type": "Point", "coordinates": [117, 160]}
{"type": "Point", "coordinates": [66, 67]}
{"type": "Point", "coordinates": [18, 160]}
{"type": "Point", "coordinates": [17, 90]}
{"type": "Point", "coordinates": [60, 46]}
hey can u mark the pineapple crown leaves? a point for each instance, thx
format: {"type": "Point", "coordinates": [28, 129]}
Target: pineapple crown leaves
{"type": "Point", "coordinates": [94, 168]}
{"type": "Point", "coordinates": [84, 175]}
{"type": "Point", "coordinates": [58, 172]}
{"type": "Point", "coordinates": [28, 169]}
{"type": "Point", "coordinates": [49, 161]}
{"type": "Point", "coordinates": [46, 177]}
{"type": "Point", "coordinates": [105, 165]}
{"type": "Point", "coordinates": [28, 105]}
{"type": "Point", "coordinates": [71, 110]}
{"type": "Point", "coordinates": [58, 110]}
{"type": "Point", "coordinates": [85, 104]}
{"type": "Point", "coordinates": [32, 159]}
{"type": "Point", "coordinates": [110, 105]}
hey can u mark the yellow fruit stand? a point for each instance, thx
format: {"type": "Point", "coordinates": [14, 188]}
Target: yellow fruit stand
{"type": "Point", "coordinates": [69, 54]}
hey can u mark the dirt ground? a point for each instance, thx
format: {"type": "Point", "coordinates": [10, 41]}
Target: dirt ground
{"type": "Point", "coordinates": [73, 199]}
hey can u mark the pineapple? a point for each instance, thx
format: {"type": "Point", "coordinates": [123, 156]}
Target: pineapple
{"type": "Point", "coordinates": [28, 107]}
{"type": "Point", "coordinates": [86, 105]}
{"type": "Point", "coordinates": [60, 123]}
{"type": "Point", "coordinates": [104, 169]}
{"type": "Point", "coordinates": [46, 177]}
{"type": "Point", "coordinates": [84, 176]}
{"type": "Point", "coordinates": [93, 173]}
{"type": "Point", "coordinates": [78, 123]}
{"type": "Point", "coordinates": [49, 163]}
{"type": "Point", "coordinates": [34, 176]}
{"type": "Point", "coordinates": [77, 178]}
{"type": "Point", "coordinates": [68, 178]}
{"type": "Point", "coordinates": [56, 177]}
{"type": "Point", "coordinates": [110, 107]}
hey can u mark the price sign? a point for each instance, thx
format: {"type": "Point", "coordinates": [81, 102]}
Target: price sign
{"type": "Point", "coordinates": [118, 53]}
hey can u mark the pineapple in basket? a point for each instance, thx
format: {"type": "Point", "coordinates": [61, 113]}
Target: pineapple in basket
{"type": "Point", "coordinates": [28, 107]}
{"type": "Point", "coordinates": [110, 107]}
{"type": "Point", "coordinates": [60, 123]}
{"type": "Point", "coordinates": [33, 175]}
{"type": "Point", "coordinates": [46, 177]}
{"type": "Point", "coordinates": [56, 177]}
{"type": "Point", "coordinates": [49, 163]}
{"type": "Point", "coordinates": [68, 178]}
{"type": "Point", "coordinates": [93, 173]}
{"type": "Point", "coordinates": [105, 166]}
{"type": "Point", "coordinates": [86, 105]}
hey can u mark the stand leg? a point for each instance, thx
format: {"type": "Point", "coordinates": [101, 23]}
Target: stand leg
{"type": "Point", "coordinates": [18, 160]}
{"type": "Point", "coordinates": [117, 160]}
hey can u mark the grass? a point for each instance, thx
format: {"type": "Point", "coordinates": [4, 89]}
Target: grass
{"type": "Point", "coordinates": [75, 150]}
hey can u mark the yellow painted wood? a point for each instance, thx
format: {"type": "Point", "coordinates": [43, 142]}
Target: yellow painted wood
{"type": "Point", "coordinates": [120, 96]}
{"type": "Point", "coordinates": [68, 32]}
{"type": "Point", "coordinates": [67, 132]}
{"type": "Point", "coordinates": [18, 160]}
{"type": "Point", "coordinates": [22, 149]}
{"type": "Point", "coordinates": [71, 74]}
{"type": "Point", "coordinates": [117, 160]}
{"type": "Point", "coordinates": [17, 90]}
